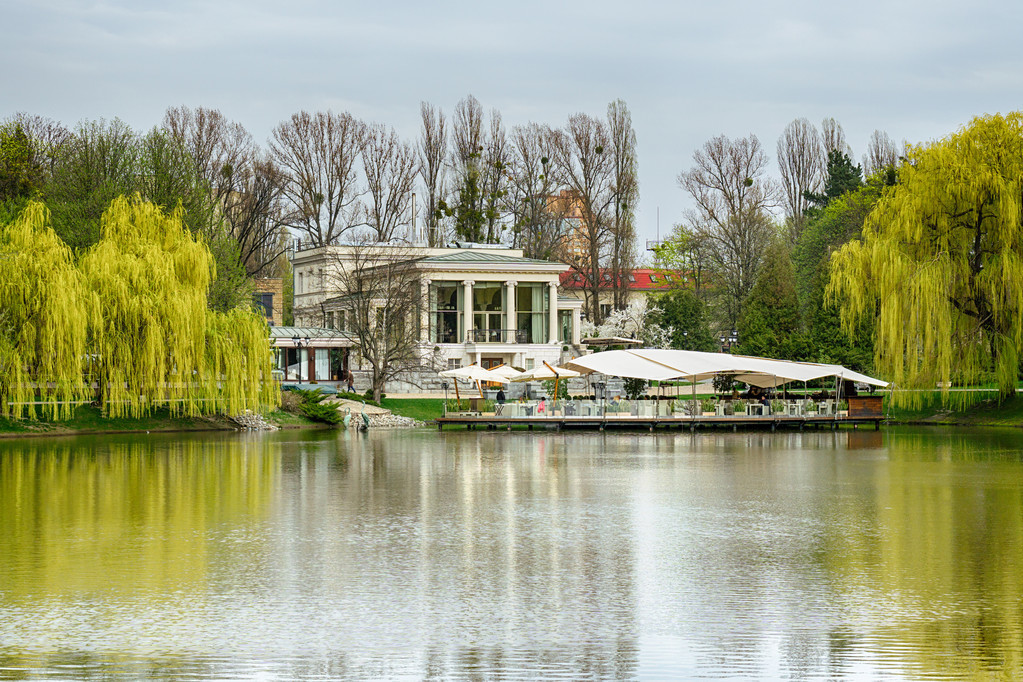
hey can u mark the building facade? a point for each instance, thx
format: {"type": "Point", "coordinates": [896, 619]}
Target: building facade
{"type": "Point", "coordinates": [481, 304]}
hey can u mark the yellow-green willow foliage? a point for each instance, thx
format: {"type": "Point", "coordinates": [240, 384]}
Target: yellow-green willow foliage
{"type": "Point", "coordinates": [46, 312]}
{"type": "Point", "coordinates": [159, 344]}
{"type": "Point", "coordinates": [941, 264]}
{"type": "Point", "coordinates": [130, 317]}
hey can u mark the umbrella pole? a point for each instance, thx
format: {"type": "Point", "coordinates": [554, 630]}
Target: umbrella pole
{"type": "Point", "coordinates": [458, 398]}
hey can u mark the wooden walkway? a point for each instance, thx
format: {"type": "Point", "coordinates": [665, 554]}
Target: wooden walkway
{"type": "Point", "coordinates": [772, 422]}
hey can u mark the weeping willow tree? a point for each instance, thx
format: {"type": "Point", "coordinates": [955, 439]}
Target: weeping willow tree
{"type": "Point", "coordinates": [46, 313]}
{"type": "Point", "coordinates": [157, 343]}
{"type": "Point", "coordinates": [940, 265]}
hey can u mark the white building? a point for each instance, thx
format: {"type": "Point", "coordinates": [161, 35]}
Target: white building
{"type": "Point", "coordinates": [481, 304]}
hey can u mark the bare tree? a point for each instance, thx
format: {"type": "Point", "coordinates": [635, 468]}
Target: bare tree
{"type": "Point", "coordinates": [468, 208]}
{"type": "Point", "coordinates": [582, 159]}
{"type": "Point", "coordinates": [833, 137]}
{"type": "Point", "coordinates": [245, 183]}
{"type": "Point", "coordinates": [538, 219]}
{"type": "Point", "coordinates": [382, 295]}
{"type": "Point", "coordinates": [222, 151]}
{"type": "Point", "coordinates": [494, 176]}
{"type": "Point", "coordinates": [801, 158]}
{"type": "Point", "coordinates": [624, 196]}
{"type": "Point", "coordinates": [881, 153]}
{"type": "Point", "coordinates": [433, 145]}
{"type": "Point", "coordinates": [319, 154]}
{"type": "Point", "coordinates": [257, 215]}
{"type": "Point", "coordinates": [733, 197]}
{"type": "Point", "coordinates": [391, 169]}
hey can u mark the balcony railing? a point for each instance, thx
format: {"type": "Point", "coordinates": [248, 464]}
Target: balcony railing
{"type": "Point", "coordinates": [497, 336]}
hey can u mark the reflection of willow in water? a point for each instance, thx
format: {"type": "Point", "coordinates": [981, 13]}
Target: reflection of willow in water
{"type": "Point", "coordinates": [934, 554]}
{"type": "Point", "coordinates": [122, 516]}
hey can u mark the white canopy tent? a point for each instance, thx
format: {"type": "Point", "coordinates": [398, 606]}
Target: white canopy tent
{"type": "Point", "coordinates": [661, 365]}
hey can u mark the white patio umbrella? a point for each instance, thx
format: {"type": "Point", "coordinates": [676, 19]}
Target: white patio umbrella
{"type": "Point", "coordinates": [472, 372]}
{"type": "Point", "coordinates": [506, 371]}
{"type": "Point", "coordinates": [545, 372]}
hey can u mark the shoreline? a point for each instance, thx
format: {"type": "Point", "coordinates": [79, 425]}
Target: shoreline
{"type": "Point", "coordinates": [88, 421]}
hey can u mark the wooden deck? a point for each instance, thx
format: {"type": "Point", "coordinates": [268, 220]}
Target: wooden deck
{"type": "Point", "coordinates": [772, 422]}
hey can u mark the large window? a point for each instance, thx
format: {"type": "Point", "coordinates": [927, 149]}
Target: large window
{"type": "Point", "coordinates": [264, 303]}
{"type": "Point", "coordinates": [487, 311]}
{"type": "Point", "coordinates": [445, 312]}
{"type": "Point", "coordinates": [533, 307]}
{"type": "Point", "coordinates": [565, 325]}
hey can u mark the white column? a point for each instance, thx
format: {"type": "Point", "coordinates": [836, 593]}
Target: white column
{"type": "Point", "coordinates": [510, 320]}
{"type": "Point", "coordinates": [553, 336]}
{"type": "Point", "coordinates": [576, 321]}
{"type": "Point", "coordinates": [424, 316]}
{"type": "Point", "coordinates": [467, 308]}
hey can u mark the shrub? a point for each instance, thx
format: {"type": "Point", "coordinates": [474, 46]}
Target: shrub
{"type": "Point", "coordinates": [313, 407]}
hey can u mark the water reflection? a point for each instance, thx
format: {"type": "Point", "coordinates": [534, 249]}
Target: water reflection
{"type": "Point", "coordinates": [812, 554]}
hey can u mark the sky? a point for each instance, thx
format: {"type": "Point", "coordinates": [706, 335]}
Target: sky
{"type": "Point", "coordinates": [688, 71]}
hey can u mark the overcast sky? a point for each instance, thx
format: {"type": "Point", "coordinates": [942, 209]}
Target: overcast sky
{"type": "Point", "coordinates": [687, 70]}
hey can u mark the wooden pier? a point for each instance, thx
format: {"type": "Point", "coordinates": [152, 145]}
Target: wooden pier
{"type": "Point", "coordinates": [557, 422]}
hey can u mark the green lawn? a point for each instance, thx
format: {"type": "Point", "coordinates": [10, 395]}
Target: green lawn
{"type": "Point", "coordinates": [986, 412]}
{"type": "Point", "coordinates": [423, 409]}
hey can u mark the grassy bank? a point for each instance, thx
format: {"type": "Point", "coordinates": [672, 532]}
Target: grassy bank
{"type": "Point", "coordinates": [986, 412]}
{"type": "Point", "coordinates": [89, 419]}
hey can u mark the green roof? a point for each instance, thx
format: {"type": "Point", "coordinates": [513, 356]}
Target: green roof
{"type": "Point", "coordinates": [472, 256]}
{"type": "Point", "coordinates": [307, 333]}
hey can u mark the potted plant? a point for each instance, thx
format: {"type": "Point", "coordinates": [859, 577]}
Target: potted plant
{"type": "Point", "coordinates": [707, 407]}
{"type": "Point", "coordinates": [777, 406]}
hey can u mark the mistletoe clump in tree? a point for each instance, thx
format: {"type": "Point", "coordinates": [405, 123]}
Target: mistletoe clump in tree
{"type": "Point", "coordinates": [940, 264]}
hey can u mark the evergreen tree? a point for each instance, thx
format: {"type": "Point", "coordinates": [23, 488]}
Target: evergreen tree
{"type": "Point", "coordinates": [842, 176]}
{"type": "Point", "coordinates": [770, 325]}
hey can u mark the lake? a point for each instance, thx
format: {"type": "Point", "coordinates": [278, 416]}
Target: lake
{"type": "Point", "coordinates": [413, 554]}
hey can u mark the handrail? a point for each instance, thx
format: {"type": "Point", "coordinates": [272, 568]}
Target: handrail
{"type": "Point", "coordinates": [496, 336]}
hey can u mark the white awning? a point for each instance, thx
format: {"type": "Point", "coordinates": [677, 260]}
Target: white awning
{"type": "Point", "coordinates": [660, 365]}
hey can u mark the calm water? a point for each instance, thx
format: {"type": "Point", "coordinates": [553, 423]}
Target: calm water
{"type": "Point", "coordinates": [851, 555]}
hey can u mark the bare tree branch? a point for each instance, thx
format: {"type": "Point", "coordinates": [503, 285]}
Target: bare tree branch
{"type": "Point", "coordinates": [881, 153]}
{"type": "Point", "coordinates": [318, 153]}
{"type": "Point", "coordinates": [581, 155]}
{"type": "Point", "coordinates": [391, 169]}
{"type": "Point", "coordinates": [433, 145]}
{"type": "Point", "coordinates": [802, 161]}
{"type": "Point", "coordinates": [733, 197]}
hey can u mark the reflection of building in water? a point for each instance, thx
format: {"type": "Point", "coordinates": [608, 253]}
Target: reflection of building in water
{"type": "Point", "coordinates": [483, 547]}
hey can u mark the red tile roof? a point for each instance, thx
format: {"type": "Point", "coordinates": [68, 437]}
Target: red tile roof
{"type": "Point", "coordinates": [640, 279]}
